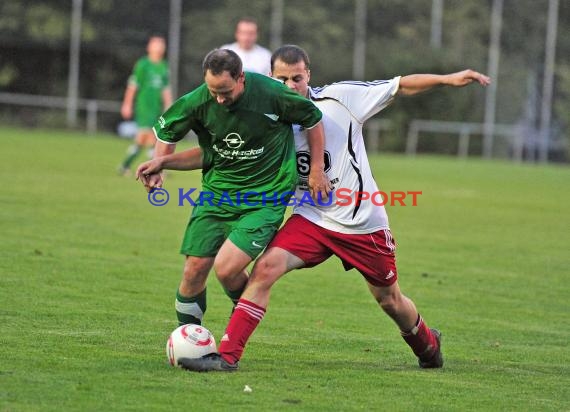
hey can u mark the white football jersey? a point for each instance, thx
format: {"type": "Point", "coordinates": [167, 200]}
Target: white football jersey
{"type": "Point", "coordinates": [345, 107]}
{"type": "Point", "coordinates": [257, 60]}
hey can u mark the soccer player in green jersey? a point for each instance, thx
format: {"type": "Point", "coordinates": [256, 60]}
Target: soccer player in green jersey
{"type": "Point", "coordinates": [148, 93]}
{"type": "Point", "coordinates": [244, 127]}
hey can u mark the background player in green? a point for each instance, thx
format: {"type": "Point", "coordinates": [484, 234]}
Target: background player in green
{"type": "Point", "coordinates": [148, 93]}
{"type": "Point", "coordinates": [244, 127]}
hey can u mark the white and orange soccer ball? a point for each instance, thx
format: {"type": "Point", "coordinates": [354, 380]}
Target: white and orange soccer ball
{"type": "Point", "coordinates": [189, 341]}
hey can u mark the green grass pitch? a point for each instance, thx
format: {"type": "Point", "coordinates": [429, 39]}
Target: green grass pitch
{"type": "Point", "coordinates": [88, 271]}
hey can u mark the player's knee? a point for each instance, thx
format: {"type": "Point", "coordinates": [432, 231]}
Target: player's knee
{"type": "Point", "coordinates": [388, 304]}
{"type": "Point", "coordinates": [140, 139]}
{"type": "Point", "coordinates": [196, 272]}
{"type": "Point", "coordinates": [227, 270]}
{"type": "Point", "coordinates": [266, 272]}
{"type": "Point", "coordinates": [391, 302]}
{"type": "Point", "coordinates": [225, 273]}
{"type": "Point", "coordinates": [389, 298]}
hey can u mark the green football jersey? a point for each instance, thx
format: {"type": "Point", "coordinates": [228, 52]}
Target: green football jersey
{"type": "Point", "coordinates": [248, 146]}
{"type": "Point", "coordinates": [150, 79]}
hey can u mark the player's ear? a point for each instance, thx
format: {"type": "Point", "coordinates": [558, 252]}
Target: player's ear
{"type": "Point", "coordinates": [308, 75]}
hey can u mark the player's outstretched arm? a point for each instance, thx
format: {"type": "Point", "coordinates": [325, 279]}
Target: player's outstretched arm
{"type": "Point", "coordinates": [418, 83]}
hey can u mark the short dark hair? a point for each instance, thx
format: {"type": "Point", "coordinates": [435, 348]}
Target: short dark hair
{"type": "Point", "coordinates": [247, 19]}
{"type": "Point", "coordinates": [222, 60]}
{"type": "Point", "coordinates": [290, 54]}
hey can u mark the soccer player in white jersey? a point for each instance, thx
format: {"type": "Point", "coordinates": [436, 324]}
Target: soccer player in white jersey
{"type": "Point", "coordinates": [254, 57]}
{"type": "Point", "coordinates": [358, 234]}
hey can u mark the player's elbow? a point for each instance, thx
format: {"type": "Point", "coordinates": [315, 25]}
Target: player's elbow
{"type": "Point", "coordinates": [407, 91]}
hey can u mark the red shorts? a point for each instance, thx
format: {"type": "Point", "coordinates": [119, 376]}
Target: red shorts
{"type": "Point", "coordinates": [371, 254]}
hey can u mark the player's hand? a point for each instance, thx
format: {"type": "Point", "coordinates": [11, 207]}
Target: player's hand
{"type": "Point", "coordinates": [126, 111]}
{"type": "Point", "coordinates": [149, 173]}
{"type": "Point", "coordinates": [466, 77]}
{"type": "Point", "coordinates": [319, 183]}
{"type": "Point", "coordinates": [154, 181]}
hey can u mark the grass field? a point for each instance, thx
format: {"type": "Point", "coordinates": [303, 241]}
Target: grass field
{"type": "Point", "coordinates": [88, 271]}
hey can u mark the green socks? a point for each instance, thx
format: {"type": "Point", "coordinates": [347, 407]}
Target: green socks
{"type": "Point", "coordinates": [190, 309]}
{"type": "Point", "coordinates": [132, 153]}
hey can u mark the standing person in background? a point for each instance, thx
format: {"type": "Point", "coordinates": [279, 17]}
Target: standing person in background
{"type": "Point", "coordinates": [255, 58]}
{"type": "Point", "coordinates": [148, 94]}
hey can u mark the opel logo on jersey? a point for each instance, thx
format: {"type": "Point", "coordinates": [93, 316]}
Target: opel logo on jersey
{"type": "Point", "coordinates": [233, 140]}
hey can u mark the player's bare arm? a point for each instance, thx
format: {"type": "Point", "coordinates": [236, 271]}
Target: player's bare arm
{"type": "Point", "coordinates": [318, 180]}
{"type": "Point", "coordinates": [127, 106]}
{"type": "Point", "coordinates": [166, 98]}
{"type": "Point", "coordinates": [418, 83]}
{"type": "Point", "coordinates": [190, 159]}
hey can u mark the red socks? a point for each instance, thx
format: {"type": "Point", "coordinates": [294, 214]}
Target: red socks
{"type": "Point", "coordinates": [247, 316]}
{"type": "Point", "coordinates": [243, 322]}
{"type": "Point", "coordinates": [421, 340]}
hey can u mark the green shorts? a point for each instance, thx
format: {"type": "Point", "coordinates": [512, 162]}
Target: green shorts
{"type": "Point", "coordinates": [249, 229]}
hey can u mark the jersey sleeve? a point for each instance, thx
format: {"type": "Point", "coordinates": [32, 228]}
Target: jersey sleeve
{"type": "Point", "coordinates": [363, 99]}
{"type": "Point", "coordinates": [175, 123]}
{"type": "Point", "coordinates": [296, 109]}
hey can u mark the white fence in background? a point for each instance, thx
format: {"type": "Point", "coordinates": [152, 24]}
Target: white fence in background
{"type": "Point", "coordinates": [514, 133]}
{"type": "Point", "coordinates": [91, 107]}
{"type": "Point", "coordinates": [372, 131]}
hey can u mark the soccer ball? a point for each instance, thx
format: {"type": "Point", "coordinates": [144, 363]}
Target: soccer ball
{"type": "Point", "coordinates": [189, 341]}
